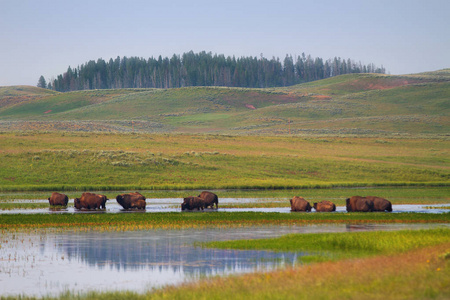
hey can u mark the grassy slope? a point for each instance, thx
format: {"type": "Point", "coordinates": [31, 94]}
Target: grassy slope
{"type": "Point", "coordinates": [55, 103]}
{"type": "Point", "coordinates": [370, 103]}
{"type": "Point", "coordinates": [24, 90]}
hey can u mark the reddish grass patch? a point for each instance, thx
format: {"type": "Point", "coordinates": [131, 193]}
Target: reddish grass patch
{"type": "Point", "coordinates": [380, 83]}
{"type": "Point", "coordinates": [321, 97]}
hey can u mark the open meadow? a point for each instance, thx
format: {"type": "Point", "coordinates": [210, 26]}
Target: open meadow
{"type": "Point", "coordinates": [95, 161]}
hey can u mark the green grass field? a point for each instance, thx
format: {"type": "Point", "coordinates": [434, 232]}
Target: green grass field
{"type": "Point", "coordinates": [94, 161]}
{"type": "Point", "coordinates": [177, 220]}
{"type": "Point", "coordinates": [352, 130]}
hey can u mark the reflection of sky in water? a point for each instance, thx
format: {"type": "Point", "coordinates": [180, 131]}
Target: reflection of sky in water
{"type": "Point", "coordinates": [50, 263]}
{"type": "Point", "coordinates": [129, 251]}
{"type": "Point", "coordinates": [41, 263]}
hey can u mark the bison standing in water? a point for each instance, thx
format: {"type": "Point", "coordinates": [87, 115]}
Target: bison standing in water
{"type": "Point", "coordinates": [325, 206]}
{"type": "Point", "coordinates": [299, 204]}
{"type": "Point", "coordinates": [380, 204]}
{"type": "Point", "coordinates": [191, 203]}
{"type": "Point", "coordinates": [210, 199]}
{"type": "Point", "coordinates": [90, 201]}
{"type": "Point", "coordinates": [58, 199]}
{"type": "Point", "coordinates": [131, 201]}
{"type": "Point", "coordinates": [358, 203]}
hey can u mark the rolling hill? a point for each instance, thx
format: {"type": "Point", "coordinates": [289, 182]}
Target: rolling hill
{"type": "Point", "coordinates": [353, 104]}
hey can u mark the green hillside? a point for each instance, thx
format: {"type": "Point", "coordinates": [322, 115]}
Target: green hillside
{"type": "Point", "coordinates": [24, 91]}
{"type": "Point", "coordinates": [348, 104]}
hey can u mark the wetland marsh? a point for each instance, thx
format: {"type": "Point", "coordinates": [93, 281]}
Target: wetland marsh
{"type": "Point", "coordinates": [52, 262]}
{"type": "Point", "coordinates": [46, 252]}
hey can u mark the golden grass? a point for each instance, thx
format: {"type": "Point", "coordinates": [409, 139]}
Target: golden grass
{"type": "Point", "coordinates": [420, 274]}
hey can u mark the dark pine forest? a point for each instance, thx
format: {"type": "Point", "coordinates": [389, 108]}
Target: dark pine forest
{"type": "Point", "coordinates": [202, 69]}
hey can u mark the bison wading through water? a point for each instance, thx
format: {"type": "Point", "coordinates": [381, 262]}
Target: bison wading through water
{"type": "Point", "coordinates": [131, 201]}
{"type": "Point", "coordinates": [58, 199]}
{"type": "Point", "coordinates": [324, 206]}
{"type": "Point", "coordinates": [299, 204]}
{"type": "Point", "coordinates": [90, 201]}
{"type": "Point", "coordinates": [358, 203]}
{"type": "Point", "coordinates": [191, 203]}
{"type": "Point", "coordinates": [380, 204]}
{"type": "Point", "coordinates": [210, 199]}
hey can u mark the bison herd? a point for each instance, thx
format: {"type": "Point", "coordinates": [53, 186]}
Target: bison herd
{"type": "Point", "coordinates": [92, 201]}
{"type": "Point", "coordinates": [206, 199]}
{"type": "Point", "coordinates": [355, 203]}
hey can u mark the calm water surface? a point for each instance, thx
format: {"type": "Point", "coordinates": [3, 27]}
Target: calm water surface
{"type": "Point", "coordinates": [48, 262]}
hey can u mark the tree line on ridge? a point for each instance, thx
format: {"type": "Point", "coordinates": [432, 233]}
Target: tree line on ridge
{"type": "Point", "coordinates": [202, 69]}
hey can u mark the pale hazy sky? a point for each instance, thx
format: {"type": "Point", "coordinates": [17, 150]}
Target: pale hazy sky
{"type": "Point", "coordinates": [44, 37]}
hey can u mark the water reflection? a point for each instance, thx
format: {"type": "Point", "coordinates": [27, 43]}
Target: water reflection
{"type": "Point", "coordinates": [172, 249]}
{"type": "Point", "coordinates": [46, 262]}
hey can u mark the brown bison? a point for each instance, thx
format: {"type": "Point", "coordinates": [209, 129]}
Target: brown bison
{"type": "Point", "coordinates": [90, 201]}
{"type": "Point", "coordinates": [210, 199]}
{"type": "Point", "coordinates": [299, 204]}
{"type": "Point", "coordinates": [358, 203]}
{"type": "Point", "coordinates": [191, 203]}
{"type": "Point", "coordinates": [325, 206]}
{"type": "Point", "coordinates": [58, 199]}
{"type": "Point", "coordinates": [380, 204]}
{"type": "Point", "coordinates": [131, 201]}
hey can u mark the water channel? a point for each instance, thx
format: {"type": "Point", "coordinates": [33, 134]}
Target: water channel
{"type": "Point", "coordinates": [173, 205]}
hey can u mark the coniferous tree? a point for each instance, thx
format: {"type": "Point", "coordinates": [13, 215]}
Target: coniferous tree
{"type": "Point", "coordinates": [42, 83]}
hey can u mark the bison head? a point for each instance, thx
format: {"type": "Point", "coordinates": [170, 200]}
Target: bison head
{"type": "Point", "coordinates": [185, 205]}
{"type": "Point", "coordinates": [76, 203]}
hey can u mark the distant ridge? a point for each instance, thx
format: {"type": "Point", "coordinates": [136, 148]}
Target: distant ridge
{"type": "Point", "coordinates": [348, 105]}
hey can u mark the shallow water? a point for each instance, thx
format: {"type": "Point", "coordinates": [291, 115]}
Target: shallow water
{"type": "Point", "coordinates": [48, 262]}
{"type": "Point", "coordinates": [174, 205]}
